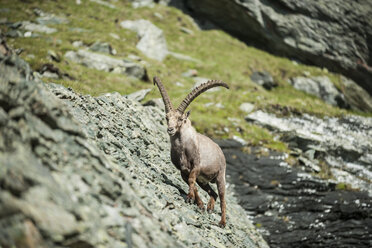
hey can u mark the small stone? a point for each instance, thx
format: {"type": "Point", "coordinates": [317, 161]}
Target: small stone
{"type": "Point", "coordinates": [240, 140]}
{"type": "Point", "coordinates": [104, 3]}
{"type": "Point", "coordinates": [190, 73]}
{"type": "Point", "coordinates": [264, 79]}
{"type": "Point", "coordinates": [179, 84]}
{"type": "Point", "coordinates": [115, 36]}
{"type": "Point", "coordinates": [246, 107]}
{"type": "Point", "coordinates": [77, 43]}
{"type": "Point", "coordinates": [187, 31]}
{"type": "Point", "coordinates": [54, 56]}
{"type": "Point", "coordinates": [38, 28]}
{"type": "Point", "coordinates": [158, 15]}
{"type": "Point", "coordinates": [102, 47]}
{"type": "Point", "coordinates": [27, 34]}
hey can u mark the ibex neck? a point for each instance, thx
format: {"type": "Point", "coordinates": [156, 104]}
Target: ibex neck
{"type": "Point", "coordinates": [186, 133]}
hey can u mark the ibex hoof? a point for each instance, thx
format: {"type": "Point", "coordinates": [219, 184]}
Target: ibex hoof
{"type": "Point", "coordinates": [222, 224]}
{"type": "Point", "coordinates": [190, 199]}
{"type": "Point", "coordinates": [201, 207]}
{"type": "Point", "coordinates": [210, 206]}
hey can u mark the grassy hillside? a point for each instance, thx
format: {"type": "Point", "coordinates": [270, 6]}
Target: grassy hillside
{"type": "Point", "coordinates": [222, 57]}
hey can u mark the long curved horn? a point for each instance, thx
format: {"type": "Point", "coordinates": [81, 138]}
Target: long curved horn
{"type": "Point", "coordinates": [164, 95]}
{"type": "Point", "coordinates": [197, 91]}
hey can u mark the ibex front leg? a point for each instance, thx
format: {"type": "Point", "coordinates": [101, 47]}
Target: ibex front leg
{"type": "Point", "coordinates": [191, 181]}
{"type": "Point", "coordinates": [199, 202]}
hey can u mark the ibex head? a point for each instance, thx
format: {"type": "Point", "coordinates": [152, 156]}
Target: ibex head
{"type": "Point", "coordinates": [177, 117]}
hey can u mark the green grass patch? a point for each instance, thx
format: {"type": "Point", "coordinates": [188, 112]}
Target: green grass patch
{"type": "Point", "coordinates": [222, 57]}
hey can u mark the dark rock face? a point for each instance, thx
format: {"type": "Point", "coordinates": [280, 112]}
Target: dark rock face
{"type": "Point", "coordinates": [80, 171]}
{"type": "Point", "coordinates": [293, 208]}
{"type": "Point", "coordinates": [333, 34]}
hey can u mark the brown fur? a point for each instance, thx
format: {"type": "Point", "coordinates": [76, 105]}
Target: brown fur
{"type": "Point", "coordinates": [199, 159]}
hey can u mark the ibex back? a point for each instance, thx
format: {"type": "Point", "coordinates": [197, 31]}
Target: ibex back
{"type": "Point", "coordinates": [199, 159]}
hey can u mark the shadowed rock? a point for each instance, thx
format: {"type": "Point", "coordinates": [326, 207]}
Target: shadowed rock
{"type": "Point", "coordinates": [333, 34]}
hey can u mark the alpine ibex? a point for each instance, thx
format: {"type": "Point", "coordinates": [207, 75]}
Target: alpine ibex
{"type": "Point", "coordinates": [197, 157]}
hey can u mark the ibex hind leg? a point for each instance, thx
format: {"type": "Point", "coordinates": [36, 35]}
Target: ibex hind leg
{"type": "Point", "coordinates": [221, 192]}
{"type": "Point", "coordinates": [213, 196]}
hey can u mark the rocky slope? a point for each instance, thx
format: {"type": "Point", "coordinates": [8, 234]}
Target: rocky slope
{"type": "Point", "coordinates": [79, 171]}
{"type": "Point", "coordinates": [332, 34]}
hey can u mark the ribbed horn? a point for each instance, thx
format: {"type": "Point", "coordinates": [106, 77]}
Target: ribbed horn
{"type": "Point", "coordinates": [197, 91]}
{"type": "Point", "coordinates": [164, 95]}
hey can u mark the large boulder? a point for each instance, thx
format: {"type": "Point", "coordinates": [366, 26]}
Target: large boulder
{"type": "Point", "coordinates": [321, 87]}
{"type": "Point", "coordinates": [355, 95]}
{"type": "Point", "coordinates": [333, 34]}
{"type": "Point", "coordinates": [152, 40]}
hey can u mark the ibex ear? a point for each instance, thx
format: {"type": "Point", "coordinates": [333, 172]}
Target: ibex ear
{"type": "Point", "coordinates": [186, 116]}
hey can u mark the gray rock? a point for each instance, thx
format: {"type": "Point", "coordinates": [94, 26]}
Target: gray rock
{"type": "Point", "coordinates": [115, 36]}
{"type": "Point", "coordinates": [142, 3]}
{"type": "Point", "coordinates": [264, 79]}
{"type": "Point", "coordinates": [4, 10]}
{"type": "Point", "coordinates": [341, 142]}
{"type": "Point", "coordinates": [240, 140]}
{"type": "Point", "coordinates": [321, 87]}
{"type": "Point", "coordinates": [105, 63]}
{"type": "Point", "coordinates": [54, 56]}
{"type": "Point", "coordinates": [355, 95]}
{"type": "Point", "coordinates": [51, 19]}
{"type": "Point", "coordinates": [333, 34]}
{"type": "Point", "coordinates": [102, 47]}
{"type": "Point", "coordinates": [38, 28]}
{"type": "Point", "coordinates": [152, 41]}
{"type": "Point", "coordinates": [13, 33]}
{"type": "Point", "coordinates": [138, 95]}
{"type": "Point", "coordinates": [246, 107]}
{"type": "Point", "coordinates": [187, 31]}
{"type": "Point", "coordinates": [104, 3]}
{"type": "Point", "coordinates": [77, 43]}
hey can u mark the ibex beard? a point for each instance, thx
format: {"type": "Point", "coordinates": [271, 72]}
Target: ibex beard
{"type": "Point", "coordinates": [199, 159]}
